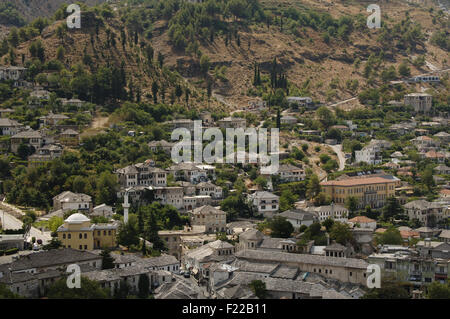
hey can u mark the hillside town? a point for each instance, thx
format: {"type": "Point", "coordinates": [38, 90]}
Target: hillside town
{"type": "Point", "coordinates": [88, 177]}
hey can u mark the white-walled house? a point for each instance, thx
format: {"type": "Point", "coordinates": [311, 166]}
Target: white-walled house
{"type": "Point", "coordinates": [265, 203]}
{"type": "Point", "coordinates": [364, 222]}
{"type": "Point", "coordinates": [72, 201]}
{"type": "Point", "coordinates": [298, 217]}
{"type": "Point", "coordinates": [335, 212]}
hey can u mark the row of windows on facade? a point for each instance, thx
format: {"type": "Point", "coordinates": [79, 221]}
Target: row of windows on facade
{"type": "Point", "coordinates": [79, 247]}
{"type": "Point", "coordinates": [331, 272]}
{"type": "Point", "coordinates": [80, 236]}
{"type": "Point", "coordinates": [266, 202]}
{"type": "Point", "coordinates": [362, 189]}
{"type": "Point", "coordinates": [225, 252]}
{"type": "Point", "coordinates": [273, 207]}
{"type": "Point", "coordinates": [203, 216]}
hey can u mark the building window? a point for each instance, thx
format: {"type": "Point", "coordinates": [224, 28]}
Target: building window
{"type": "Point", "coordinates": [85, 236]}
{"type": "Point", "coordinates": [80, 235]}
{"type": "Point", "coordinates": [85, 246]}
{"type": "Point", "coordinates": [351, 274]}
{"type": "Point", "coordinates": [81, 247]}
{"type": "Point", "coordinates": [64, 236]}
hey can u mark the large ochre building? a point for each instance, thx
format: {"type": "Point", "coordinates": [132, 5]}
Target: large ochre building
{"type": "Point", "coordinates": [372, 191]}
{"type": "Point", "coordinates": [77, 232]}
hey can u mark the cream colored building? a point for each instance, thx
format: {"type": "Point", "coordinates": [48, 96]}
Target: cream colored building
{"type": "Point", "coordinates": [78, 233]}
{"type": "Point", "coordinates": [214, 220]}
{"type": "Point", "coordinates": [373, 191]}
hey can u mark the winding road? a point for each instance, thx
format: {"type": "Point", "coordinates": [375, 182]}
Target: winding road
{"type": "Point", "coordinates": [11, 222]}
{"type": "Point", "coordinates": [338, 150]}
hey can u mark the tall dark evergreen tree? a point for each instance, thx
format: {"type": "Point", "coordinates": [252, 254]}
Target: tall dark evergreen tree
{"type": "Point", "coordinates": [155, 89]}
{"type": "Point", "coordinates": [107, 260]}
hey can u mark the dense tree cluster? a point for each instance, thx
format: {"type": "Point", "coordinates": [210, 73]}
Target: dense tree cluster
{"type": "Point", "coordinates": [9, 15]}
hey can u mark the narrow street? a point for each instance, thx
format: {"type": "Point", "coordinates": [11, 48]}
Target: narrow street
{"type": "Point", "coordinates": [338, 150]}
{"type": "Point", "coordinates": [11, 222]}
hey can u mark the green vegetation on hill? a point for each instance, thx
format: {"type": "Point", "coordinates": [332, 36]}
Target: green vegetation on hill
{"type": "Point", "coordinates": [9, 15]}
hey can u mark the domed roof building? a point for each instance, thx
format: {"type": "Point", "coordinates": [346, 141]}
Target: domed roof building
{"type": "Point", "coordinates": [77, 218]}
{"type": "Point", "coordinates": [77, 232]}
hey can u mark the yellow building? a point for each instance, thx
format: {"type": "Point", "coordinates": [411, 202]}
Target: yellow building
{"type": "Point", "coordinates": [78, 233]}
{"type": "Point", "coordinates": [373, 191]}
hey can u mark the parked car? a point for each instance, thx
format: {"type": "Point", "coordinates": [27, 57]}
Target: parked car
{"type": "Point", "coordinates": [39, 241]}
{"type": "Point", "coordinates": [187, 274]}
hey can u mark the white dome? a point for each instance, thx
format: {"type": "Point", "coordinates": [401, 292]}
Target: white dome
{"type": "Point", "coordinates": [77, 218]}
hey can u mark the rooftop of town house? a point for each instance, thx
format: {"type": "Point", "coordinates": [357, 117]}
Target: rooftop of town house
{"type": "Point", "coordinates": [358, 181]}
{"type": "Point", "coordinates": [275, 256]}
{"type": "Point", "coordinates": [69, 196]}
{"type": "Point", "coordinates": [297, 214]}
{"type": "Point", "coordinates": [251, 234]}
{"type": "Point", "coordinates": [160, 261]}
{"type": "Point", "coordinates": [28, 134]}
{"type": "Point", "coordinates": [361, 219]}
{"type": "Point", "coordinates": [8, 122]}
{"type": "Point", "coordinates": [207, 210]}
{"type": "Point", "coordinates": [52, 257]}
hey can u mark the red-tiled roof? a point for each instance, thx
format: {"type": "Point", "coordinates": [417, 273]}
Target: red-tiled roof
{"type": "Point", "coordinates": [361, 219]}
{"type": "Point", "coordinates": [434, 154]}
{"type": "Point", "coordinates": [358, 181]}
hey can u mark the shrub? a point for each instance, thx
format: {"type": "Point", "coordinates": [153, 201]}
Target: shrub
{"type": "Point", "coordinates": [11, 251]}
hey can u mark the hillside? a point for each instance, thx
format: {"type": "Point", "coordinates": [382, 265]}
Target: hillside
{"type": "Point", "coordinates": [109, 44]}
{"type": "Point", "coordinates": [32, 9]}
{"type": "Point", "coordinates": [316, 68]}
{"type": "Point", "coordinates": [327, 63]}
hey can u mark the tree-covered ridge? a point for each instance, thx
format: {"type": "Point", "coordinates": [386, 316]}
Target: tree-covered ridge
{"type": "Point", "coordinates": [9, 15]}
{"type": "Point", "coordinates": [205, 21]}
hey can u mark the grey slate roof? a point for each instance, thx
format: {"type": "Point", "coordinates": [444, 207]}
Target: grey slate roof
{"type": "Point", "coordinates": [52, 258]}
{"type": "Point", "coordinates": [261, 255]}
{"type": "Point", "coordinates": [251, 234]}
{"type": "Point", "coordinates": [297, 214]}
{"type": "Point", "coordinates": [160, 261]}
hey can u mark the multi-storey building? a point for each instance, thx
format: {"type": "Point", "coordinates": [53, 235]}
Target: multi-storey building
{"type": "Point", "coordinates": [420, 101]}
{"type": "Point", "coordinates": [265, 203]}
{"type": "Point", "coordinates": [29, 138]}
{"type": "Point", "coordinates": [78, 233]}
{"type": "Point", "coordinates": [372, 191]}
{"type": "Point", "coordinates": [189, 172]}
{"type": "Point", "coordinates": [232, 122]}
{"type": "Point", "coordinates": [170, 196]}
{"type": "Point", "coordinates": [207, 188]}
{"type": "Point", "coordinates": [369, 155]}
{"type": "Point", "coordinates": [290, 173]}
{"type": "Point", "coordinates": [13, 73]}
{"type": "Point", "coordinates": [334, 211]}
{"type": "Point", "coordinates": [142, 174]}
{"type": "Point", "coordinates": [9, 127]}
{"type": "Point", "coordinates": [428, 213]}
{"type": "Point", "coordinates": [214, 220]}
